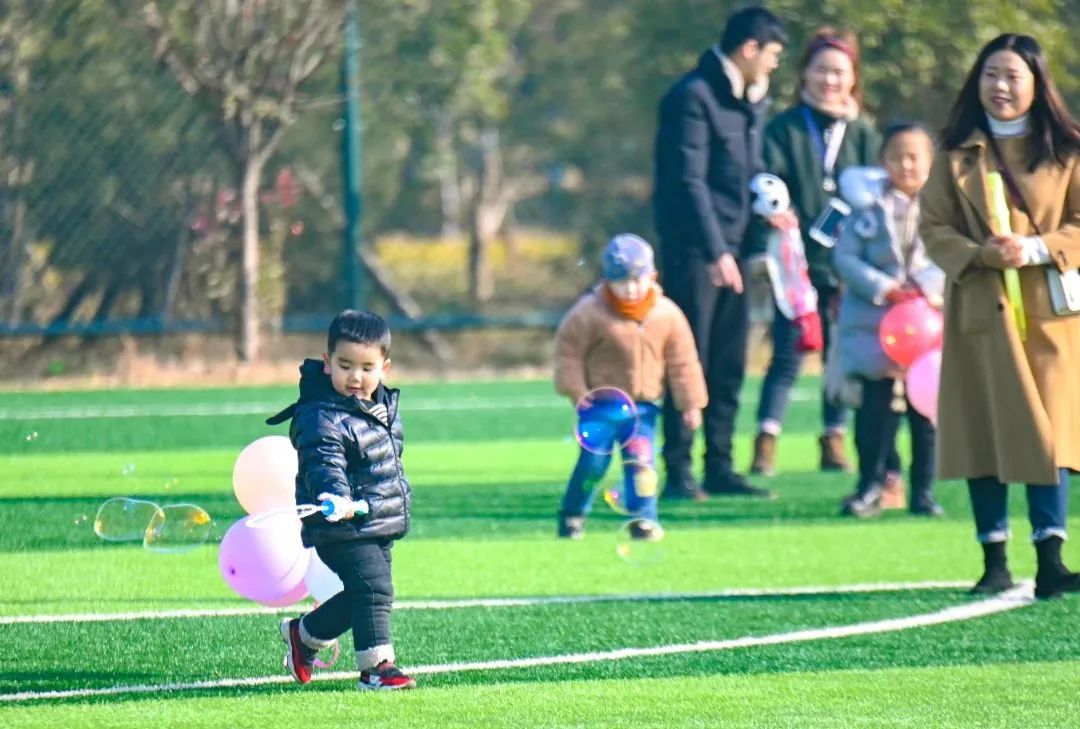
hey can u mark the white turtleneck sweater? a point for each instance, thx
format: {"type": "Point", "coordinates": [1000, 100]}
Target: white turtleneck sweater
{"type": "Point", "coordinates": [1015, 128]}
{"type": "Point", "coordinates": [1035, 251]}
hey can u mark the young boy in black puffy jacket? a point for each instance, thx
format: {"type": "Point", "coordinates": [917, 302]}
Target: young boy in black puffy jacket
{"type": "Point", "coordinates": [347, 434]}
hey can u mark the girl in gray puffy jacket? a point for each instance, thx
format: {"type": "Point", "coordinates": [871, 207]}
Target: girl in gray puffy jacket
{"type": "Point", "coordinates": [881, 261]}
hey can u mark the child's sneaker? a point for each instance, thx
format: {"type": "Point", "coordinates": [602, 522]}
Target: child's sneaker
{"type": "Point", "coordinates": [646, 531]}
{"type": "Point", "coordinates": [299, 659]}
{"type": "Point", "coordinates": [571, 526]}
{"type": "Point", "coordinates": [385, 677]}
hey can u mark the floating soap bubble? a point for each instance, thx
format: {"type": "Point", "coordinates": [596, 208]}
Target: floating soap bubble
{"type": "Point", "coordinates": [31, 436]}
{"type": "Point", "coordinates": [639, 543]}
{"type": "Point", "coordinates": [607, 420]}
{"type": "Point", "coordinates": [623, 488]}
{"type": "Point", "coordinates": [81, 519]}
{"type": "Point", "coordinates": [122, 519]}
{"type": "Point", "coordinates": [177, 528]}
{"type": "Point", "coordinates": [128, 469]}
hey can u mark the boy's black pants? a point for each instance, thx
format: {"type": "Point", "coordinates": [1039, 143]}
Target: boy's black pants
{"type": "Point", "coordinates": [364, 568]}
{"type": "Point", "coordinates": [876, 425]}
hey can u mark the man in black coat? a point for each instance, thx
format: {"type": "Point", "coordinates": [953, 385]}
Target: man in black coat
{"type": "Point", "coordinates": [707, 148]}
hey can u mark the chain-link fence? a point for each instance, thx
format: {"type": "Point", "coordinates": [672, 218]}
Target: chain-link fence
{"type": "Point", "coordinates": [178, 165]}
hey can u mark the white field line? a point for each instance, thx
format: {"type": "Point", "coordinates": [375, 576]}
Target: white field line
{"type": "Point", "coordinates": [494, 602]}
{"type": "Point", "coordinates": [266, 409]}
{"type": "Point", "coordinates": [1015, 598]}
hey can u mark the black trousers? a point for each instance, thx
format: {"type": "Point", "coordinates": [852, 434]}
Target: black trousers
{"type": "Point", "coordinates": [876, 425]}
{"type": "Point", "coordinates": [719, 318]}
{"type": "Point", "coordinates": [365, 603]}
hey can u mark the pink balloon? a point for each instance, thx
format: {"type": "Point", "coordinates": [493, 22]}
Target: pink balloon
{"type": "Point", "coordinates": [264, 475]}
{"type": "Point", "coordinates": [923, 384]}
{"type": "Point", "coordinates": [266, 563]}
{"type": "Point", "coordinates": [294, 596]}
{"type": "Point", "coordinates": [910, 330]}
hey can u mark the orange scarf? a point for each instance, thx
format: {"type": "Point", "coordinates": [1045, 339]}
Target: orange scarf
{"type": "Point", "coordinates": [636, 310]}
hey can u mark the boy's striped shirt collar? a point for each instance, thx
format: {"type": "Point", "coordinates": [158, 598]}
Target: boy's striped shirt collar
{"type": "Point", "coordinates": [378, 410]}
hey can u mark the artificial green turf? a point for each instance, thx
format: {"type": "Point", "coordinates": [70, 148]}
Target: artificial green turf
{"type": "Point", "coordinates": [456, 412]}
{"type": "Point", "coordinates": [133, 652]}
{"type": "Point", "coordinates": [117, 578]}
{"type": "Point", "coordinates": [488, 479]}
{"type": "Point", "coordinates": [1001, 695]}
{"type": "Point", "coordinates": [453, 412]}
{"type": "Point", "coordinates": [490, 489]}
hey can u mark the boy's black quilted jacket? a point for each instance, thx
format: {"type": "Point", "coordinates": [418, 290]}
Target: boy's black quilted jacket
{"type": "Point", "coordinates": [346, 449]}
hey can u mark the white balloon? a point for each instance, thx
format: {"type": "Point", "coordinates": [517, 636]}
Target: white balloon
{"type": "Point", "coordinates": [321, 581]}
{"type": "Point", "coordinates": [264, 475]}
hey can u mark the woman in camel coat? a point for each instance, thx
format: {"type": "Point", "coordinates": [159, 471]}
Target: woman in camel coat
{"type": "Point", "coordinates": [1009, 408]}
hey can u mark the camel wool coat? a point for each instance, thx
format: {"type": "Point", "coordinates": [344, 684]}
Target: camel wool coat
{"type": "Point", "coordinates": [1007, 408]}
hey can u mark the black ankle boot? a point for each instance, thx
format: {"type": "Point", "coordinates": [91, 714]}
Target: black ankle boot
{"type": "Point", "coordinates": [996, 576]}
{"type": "Point", "coordinates": [1053, 578]}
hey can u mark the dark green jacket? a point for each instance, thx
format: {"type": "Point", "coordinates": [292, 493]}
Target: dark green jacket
{"type": "Point", "coordinates": [791, 155]}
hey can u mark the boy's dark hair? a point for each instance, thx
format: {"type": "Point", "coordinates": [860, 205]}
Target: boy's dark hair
{"type": "Point", "coordinates": [361, 327]}
{"type": "Point", "coordinates": [754, 23]}
{"type": "Point", "coordinates": [1055, 133]}
{"type": "Point", "coordinates": [902, 126]}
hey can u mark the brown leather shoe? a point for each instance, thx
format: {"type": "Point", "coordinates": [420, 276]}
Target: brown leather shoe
{"type": "Point", "coordinates": [833, 457]}
{"type": "Point", "coordinates": [764, 455]}
{"type": "Point", "coordinates": [893, 494]}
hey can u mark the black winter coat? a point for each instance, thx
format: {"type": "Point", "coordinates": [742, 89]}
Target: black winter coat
{"type": "Point", "coordinates": [708, 146]}
{"type": "Point", "coordinates": [344, 448]}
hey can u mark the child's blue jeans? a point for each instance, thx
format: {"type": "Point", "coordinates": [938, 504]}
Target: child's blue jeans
{"type": "Point", "coordinates": [591, 467]}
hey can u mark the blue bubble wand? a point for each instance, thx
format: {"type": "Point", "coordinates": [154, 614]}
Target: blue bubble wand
{"type": "Point", "coordinates": [333, 507]}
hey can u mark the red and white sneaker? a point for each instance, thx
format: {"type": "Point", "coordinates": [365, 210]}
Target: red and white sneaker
{"type": "Point", "coordinates": [299, 659]}
{"type": "Point", "coordinates": [385, 677]}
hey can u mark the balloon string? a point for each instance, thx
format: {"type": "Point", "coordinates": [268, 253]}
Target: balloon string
{"type": "Point", "coordinates": [302, 511]}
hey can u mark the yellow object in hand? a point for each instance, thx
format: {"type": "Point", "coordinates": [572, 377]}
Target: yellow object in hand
{"type": "Point", "coordinates": [999, 213]}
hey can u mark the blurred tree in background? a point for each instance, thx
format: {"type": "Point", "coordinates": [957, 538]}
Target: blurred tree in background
{"type": "Point", "coordinates": [179, 160]}
{"type": "Point", "coordinates": [244, 62]}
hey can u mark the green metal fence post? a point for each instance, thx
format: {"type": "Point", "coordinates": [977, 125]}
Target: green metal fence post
{"type": "Point", "coordinates": [350, 161]}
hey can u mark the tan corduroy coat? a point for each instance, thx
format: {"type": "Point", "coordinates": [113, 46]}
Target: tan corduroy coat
{"type": "Point", "coordinates": [596, 347]}
{"type": "Point", "coordinates": [1007, 408]}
